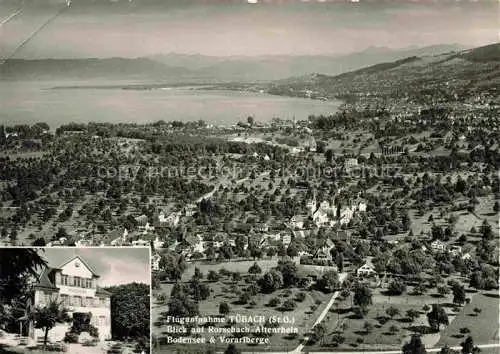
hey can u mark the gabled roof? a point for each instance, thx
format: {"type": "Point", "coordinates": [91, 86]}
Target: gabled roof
{"type": "Point", "coordinates": [44, 280]}
{"type": "Point", "coordinates": [84, 263]}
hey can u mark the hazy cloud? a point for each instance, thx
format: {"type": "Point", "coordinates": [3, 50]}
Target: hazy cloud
{"type": "Point", "coordinates": [231, 27]}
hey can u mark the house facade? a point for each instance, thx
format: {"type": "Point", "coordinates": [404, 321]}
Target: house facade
{"type": "Point", "coordinates": [76, 286]}
{"type": "Point", "coordinates": [155, 262]}
{"type": "Point", "coordinates": [366, 270]}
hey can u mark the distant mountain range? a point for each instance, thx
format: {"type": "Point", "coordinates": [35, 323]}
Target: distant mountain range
{"type": "Point", "coordinates": [199, 68]}
{"type": "Point", "coordinates": [464, 73]}
{"type": "Point", "coordinates": [268, 68]}
{"type": "Point", "coordinates": [88, 69]}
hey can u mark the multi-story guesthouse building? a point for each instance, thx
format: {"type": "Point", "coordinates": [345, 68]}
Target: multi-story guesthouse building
{"type": "Point", "coordinates": [76, 286]}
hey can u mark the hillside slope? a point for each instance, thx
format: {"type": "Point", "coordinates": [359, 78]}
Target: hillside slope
{"type": "Point", "coordinates": [440, 77]}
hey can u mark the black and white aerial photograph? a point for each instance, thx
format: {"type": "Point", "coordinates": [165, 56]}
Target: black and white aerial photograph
{"type": "Point", "coordinates": [305, 176]}
{"type": "Point", "coordinates": [75, 300]}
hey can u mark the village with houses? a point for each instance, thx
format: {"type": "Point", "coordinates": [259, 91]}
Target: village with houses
{"type": "Point", "coordinates": [372, 228]}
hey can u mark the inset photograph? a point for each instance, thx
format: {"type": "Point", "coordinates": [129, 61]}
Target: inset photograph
{"type": "Point", "coordinates": [75, 300]}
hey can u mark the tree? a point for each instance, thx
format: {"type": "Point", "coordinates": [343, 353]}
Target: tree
{"type": "Point", "coordinates": [236, 276]}
{"type": "Point", "coordinates": [17, 267]}
{"type": "Point", "coordinates": [240, 243]}
{"type": "Point", "coordinates": [254, 269]}
{"type": "Point", "coordinates": [414, 346]}
{"type": "Point", "coordinates": [224, 308]}
{"type": "Point", "coordinates": [130, 316]}
{"type": "Point", "coordinates": [396, 287]}
{"type": "Point", "coordinates": [48, 316]}
{"type": "Point", "coordinates": [486, 230]}
{"type": "Point", "coordinates": [443, 290]}
{"type": "Point", "coordinates": [329, 281]}
{"type": "Point", "coordinates": [447, 350]}
{"type": "Point", "coordinates": [244, 298]}
{"type": "Point", "coordinates": [329, 155]}
{"type": "Point", "coordinates": [288, 305]}
{"type": "Point", "coordinates": [288, 270]}
{"type": "Point", "coordinates": [271, 281]}
{"type": "Point", "coordinates": [274, 302]}
{"type": "Point", "coordinates": [476, 280]}
{"type": "Point", "coordinates": [317, 333]}
{"type": "Point", "coordinates": [340, 262]}
{"type": "Point", "coordinates": [173, 265]}
{"type": "Point", "coordinates": [468, 345]}
{"type": "Point", "coordinates": [198, 274]}
{"type": "Point", "coordinates": [231, 349]}
{"type": "Point", "coordinates": [362, 297]}
{"type": "Point", "coordinates": [393, 329]}
{"type": "Point", "coordinates": [39, 242]}
{"type": "Point", "coordinates": [392, 311]}
{"type": "Point", "coordinates": [213, 276]}
{"type": "Point", "coordinates": [368, 327]}
{"type": "Point", "coordinates": [412, 314]}
{"type": "Point", "coordinates": [495, 207]}
{"type": "Point", "coordinates": [420, 289]}
{"type": "Point", "coordinates": [292, 250]}
{"type": "Point", "coordinates": [199, 290]}
{"type": "Point", "coordinates": [459, 296]}
{"type": "Point", "coordinates": [437, 317]}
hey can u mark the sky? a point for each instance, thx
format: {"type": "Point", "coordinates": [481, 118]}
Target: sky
{"type": "Point", "coordinates": [93, 28]}
{"type": "Point", "coordinates": [114, 265]}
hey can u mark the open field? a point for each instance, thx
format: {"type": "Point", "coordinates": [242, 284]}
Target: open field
{"type": "Point", "coordinates": [484, 327]}
{"type": "Point", "coordinates": [380, 335]}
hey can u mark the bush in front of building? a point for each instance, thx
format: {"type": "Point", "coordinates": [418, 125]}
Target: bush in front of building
{"type": "Point", "coordinates": [71, 337]}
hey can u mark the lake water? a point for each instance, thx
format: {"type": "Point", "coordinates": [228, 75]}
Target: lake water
{"type": "Point", "coordinates": [27, 103]}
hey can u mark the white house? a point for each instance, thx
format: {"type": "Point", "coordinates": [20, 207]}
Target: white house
{"type": "Point", "coordinates": [83, 242]}
{"type": "Point", "coordinates": [157, 243]}
{"type": "Point", "coordinates": [172, 220]}
{"type": "Point", "coordinates": [196, 243]}
{"type": "Point", "coordinates": [147, 228]}
{"type": "Point", "coordinates": [467, 256]}
{"type": "Point", "coordinates": [346, 214]}
{"type": "Point", "coordinates": [141, 220]}
{"type": "Point", "coordinates": [274, 237]}
{"type": "Point", "coordinates": [155, 262]}
{"type": "Point", "coordinates": [311, 204]}
{"type": "Point", "coordinates": [323, 252]}
{"type": "Point", "coordinates": [362, 207]}
{"type": "Point", "coordinates": [312, 144]}
{"type": "Point", "coordinates": [190, 209]}
{"type": "Point", "coordinates": [366, 270]}
{"type": "Point", "coordinates": [297, 222]}
{"type": "Point", "coordinates": [456, 251]}
{"type": "Point", "coordinates": [320, 217]}
{"type": "Point", "coordinates": [76, 285]}
{"type": "Point", "coordinates": [438, 246]}
{"type": "Point", "coordinates": [287, 239]}
{"type": "Point", "coordinates": [299, 234]}
{"type": "Point", "coordinates": [351, 163]}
